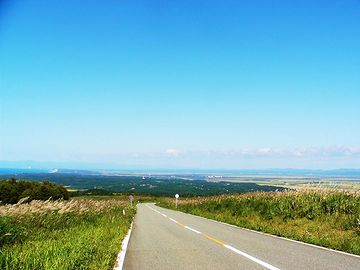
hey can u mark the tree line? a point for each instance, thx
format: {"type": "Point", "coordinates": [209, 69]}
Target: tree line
{"type": "Point", "coordinates": [12, 190]}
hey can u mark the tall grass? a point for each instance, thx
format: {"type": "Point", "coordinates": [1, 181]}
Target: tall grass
{"type": "Point", "coordinates": [326, 218]}
{"type": "Point", "coordinates": [77, 234]}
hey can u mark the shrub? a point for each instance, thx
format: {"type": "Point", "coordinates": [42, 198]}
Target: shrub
{"type": "Point", "coordinates": [11, 191]}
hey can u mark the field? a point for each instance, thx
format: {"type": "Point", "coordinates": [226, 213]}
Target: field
{"type": "Point", "coordinates": [75, 234]}
{"type": "Point", "coordinates": [157, 185]}
{"type": "Point", "coordinates": [301, 182]}
{"type": "Point", "coordinates": [322, 217]}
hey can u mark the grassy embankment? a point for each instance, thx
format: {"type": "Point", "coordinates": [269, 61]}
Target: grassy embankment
{"type": "Point", "coordinates": [326, 218]}
{"type": "Point", "coordinates": [76, 234]}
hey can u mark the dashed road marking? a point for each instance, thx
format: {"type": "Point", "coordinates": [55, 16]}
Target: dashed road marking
{"type": "Point", "coordinates": [173, 220]}
{"type": "Point", "coordinates": [191, 229]}
{"type": "Point", "coordinates": [268, 266]}
{"type": "Point", "coordinates": [237, 251]}
{"type": "Point", "coordinates": [214, 240]}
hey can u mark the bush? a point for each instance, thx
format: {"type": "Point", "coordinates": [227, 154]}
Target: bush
{"type": "Point", "coordinates": [11, 191]}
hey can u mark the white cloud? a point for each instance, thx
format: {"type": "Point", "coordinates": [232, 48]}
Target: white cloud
{"type": "Point", "coordinates": [264, 150]}
{"type": "Point", "coordinates": [172, 152]}
{"type": "Point", "coordinates": [330, 151]}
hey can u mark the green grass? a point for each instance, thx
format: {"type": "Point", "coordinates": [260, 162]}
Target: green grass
{"type": "Point", "coordinates": [325, 218]}
{"type": "Point", "coordinates": [82, 234]}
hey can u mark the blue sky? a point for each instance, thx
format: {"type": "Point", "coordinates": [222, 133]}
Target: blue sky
{"type": "Point", "coordinates": [181, 84]}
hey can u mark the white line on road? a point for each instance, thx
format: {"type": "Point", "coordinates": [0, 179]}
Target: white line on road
{"type": "Point", "coordinates": [191, 229]}
{"type": "Point", "coordinates": [268, 266]}
{"type": "Point", "coordinates": [163, 215]}
{"type": "Point", "coordinates": [121, 257]}
{"type": "Point", "coordinates": [273, 236]}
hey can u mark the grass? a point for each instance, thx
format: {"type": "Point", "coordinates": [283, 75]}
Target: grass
{"type": "Point", "coordinates": [76, 234]}
{"type": "Point", "coordinates": [326, 218]}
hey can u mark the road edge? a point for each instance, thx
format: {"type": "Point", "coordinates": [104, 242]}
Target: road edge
{"type": "Point", "coordinates": [124, 244]}
{"type": "Point", "coordinates": [271, 235]}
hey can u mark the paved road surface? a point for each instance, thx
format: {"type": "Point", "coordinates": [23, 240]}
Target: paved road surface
{"type": "Point", "coordinates": [166, 239]}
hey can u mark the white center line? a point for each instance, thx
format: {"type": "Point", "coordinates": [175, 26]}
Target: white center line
{"type": "Point", "coordinates": [173, 220]}
{"type": "Point", "coordinates": [191, 229]}
{"type": "Point", "coordinates": [268, 266]}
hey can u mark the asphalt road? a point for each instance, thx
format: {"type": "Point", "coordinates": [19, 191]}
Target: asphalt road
{"type": "Point", "coordinates": [167, 239]}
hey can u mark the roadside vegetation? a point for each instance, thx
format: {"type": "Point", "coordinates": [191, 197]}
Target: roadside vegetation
{"type": "Point", "coordinates": [326, 218]}
{"type": "Point", "coordinates": [12, 190]}
{"type": "Point", "coordinates": [74, 234]}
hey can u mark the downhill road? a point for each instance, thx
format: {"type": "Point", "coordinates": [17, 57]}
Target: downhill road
{"type": "Point", "coordinates": [167, 239]}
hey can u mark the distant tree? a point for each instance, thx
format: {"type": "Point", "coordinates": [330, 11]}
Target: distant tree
{"type": "Point", "coordinates": [11, 191]}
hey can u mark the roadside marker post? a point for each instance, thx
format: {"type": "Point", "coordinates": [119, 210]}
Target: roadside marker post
{"type": "Point", "coordinates": [131, 198]}
{"type": "Point", "coordinates": [176, 200]}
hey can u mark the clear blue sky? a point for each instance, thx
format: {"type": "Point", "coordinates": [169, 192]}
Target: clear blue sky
{"type": "Point", "coordinates": [173, 84]}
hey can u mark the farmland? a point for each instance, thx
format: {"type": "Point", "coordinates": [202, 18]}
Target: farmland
{"type": "Point", "coordinates": [301, 182]}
